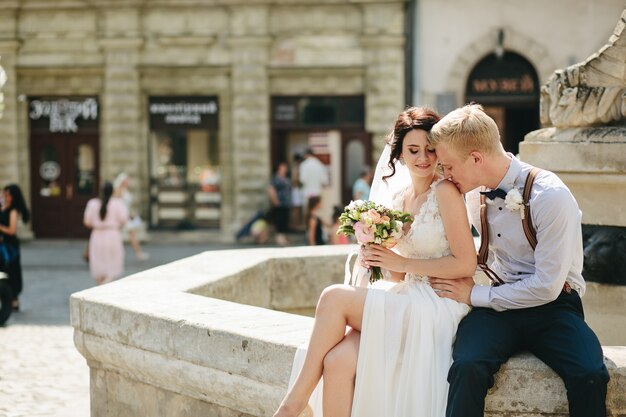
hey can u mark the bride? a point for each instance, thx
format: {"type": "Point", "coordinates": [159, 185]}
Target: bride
{"type": "Point", "coordinates": [401, 335]}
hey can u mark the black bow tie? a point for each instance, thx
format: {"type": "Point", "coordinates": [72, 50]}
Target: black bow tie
{"type": "Point", "coordinates": [493, 194]}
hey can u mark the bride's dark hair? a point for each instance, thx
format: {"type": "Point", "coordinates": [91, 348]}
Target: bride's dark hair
{"type": "Point", "coordinates": [420, 118]}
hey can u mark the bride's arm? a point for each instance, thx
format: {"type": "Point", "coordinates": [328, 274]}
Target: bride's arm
{"type": "Point", "coordinates": [462, 260]}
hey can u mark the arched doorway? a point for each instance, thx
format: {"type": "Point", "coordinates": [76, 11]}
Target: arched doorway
{"type": "Point", "coordinates": [507, 87]}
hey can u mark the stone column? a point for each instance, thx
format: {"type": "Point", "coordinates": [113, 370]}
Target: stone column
{"type": "Point", "coordinates": [121, 139]}
{"type": "Point", "coordinates": [383, 43]}
{"type": "Point", "coordinates": [250, 112]}
{"type": "Point", "coordinates": [9, 168]}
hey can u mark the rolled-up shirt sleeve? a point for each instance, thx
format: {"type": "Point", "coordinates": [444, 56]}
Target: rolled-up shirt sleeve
{"type": "Point", "coordinates": [556, 218]}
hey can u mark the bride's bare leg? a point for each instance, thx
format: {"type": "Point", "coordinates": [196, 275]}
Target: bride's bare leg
{"type": "Point", "coordinates": [339, 373]}
{"type": "Point", "coordinates": [339, 306]}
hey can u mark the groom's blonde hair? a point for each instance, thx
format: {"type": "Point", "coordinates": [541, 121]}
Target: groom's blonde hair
{"type": "Point", "coordinates": [467, 129]}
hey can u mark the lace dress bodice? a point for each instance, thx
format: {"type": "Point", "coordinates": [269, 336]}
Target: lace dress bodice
{"type": "Point", "coordinates": [426, 237]}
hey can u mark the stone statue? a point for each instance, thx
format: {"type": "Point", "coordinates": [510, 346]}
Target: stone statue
{"type": "Point", "coordinates": [589, 93]}
{"type": "Point", "coordinates": [583, 110]}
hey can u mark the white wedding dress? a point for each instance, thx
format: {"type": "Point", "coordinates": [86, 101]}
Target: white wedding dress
{"type": "Point", "coordinates": [407, 333]}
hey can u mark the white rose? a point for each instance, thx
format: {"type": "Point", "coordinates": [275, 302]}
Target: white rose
{"type": "Point", "coordinates": [514, 201]}
{"type": "Point", "coordinates": [397, 232]}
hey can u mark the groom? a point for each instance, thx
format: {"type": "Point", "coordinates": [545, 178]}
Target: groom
{"type": "Point", "coordinates": [537, 307]}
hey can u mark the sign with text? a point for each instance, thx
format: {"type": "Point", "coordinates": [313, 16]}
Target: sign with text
{"type": "Point", "coordinates": [183, 112]}
{"type": "Point", "coordinates": [63, 115]}
{"type": "Point", "coordinates": [510, 78]}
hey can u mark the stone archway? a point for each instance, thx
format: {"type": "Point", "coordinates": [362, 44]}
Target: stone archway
{"type": "Point", "coordinates": [507, 86]}
{"type": "Point", "coordinates": [514, 41]}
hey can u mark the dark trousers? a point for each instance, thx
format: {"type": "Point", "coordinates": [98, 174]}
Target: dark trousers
{"type": "Point", "coordinates": [556, 333]}
{"type": "Point", "coordinates": [14, 273]}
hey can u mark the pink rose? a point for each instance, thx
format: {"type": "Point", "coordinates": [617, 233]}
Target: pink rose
{"type": "Point", "coordinates": [364, 233]}
{"type": "Point", "coordinates": [385, 219]}
{"type": "Point", "coordinates": [375, 216]}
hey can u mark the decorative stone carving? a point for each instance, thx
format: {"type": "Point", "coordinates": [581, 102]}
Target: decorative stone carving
{"type": "Point", "coordinates": [592, 92]}
{"type": "Point", "coordinates": [586, 146]}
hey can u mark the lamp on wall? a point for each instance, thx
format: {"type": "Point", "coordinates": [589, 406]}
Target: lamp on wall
{"type": "Point", "coordinates": [499, 51]}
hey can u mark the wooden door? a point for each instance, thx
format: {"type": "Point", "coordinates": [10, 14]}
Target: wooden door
{"type": "Point", "coordinates": [82, 182]}
{"type": "Point", "coordinates": [64, 176]}
{"type": "Point", "coordinates": [498, 114]}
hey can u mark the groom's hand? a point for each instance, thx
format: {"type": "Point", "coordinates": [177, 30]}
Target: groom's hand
{"type": "Point", "coordinates": [456, 289]}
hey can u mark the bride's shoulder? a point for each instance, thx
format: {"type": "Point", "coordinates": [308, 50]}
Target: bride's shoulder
{"type": "Point", "coordinates": [446, 191]}
{"type": "Point", "coordinates": [443, 186]}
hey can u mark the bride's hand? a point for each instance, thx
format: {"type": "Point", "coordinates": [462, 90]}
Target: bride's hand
{"type": "Point", "coordinates": [376, 255]}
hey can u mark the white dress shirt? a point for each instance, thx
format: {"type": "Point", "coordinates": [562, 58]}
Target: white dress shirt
{"type": "Point", "coordinates": [531, 278]}
{"type": "Point", "coordinates": [313, 176]}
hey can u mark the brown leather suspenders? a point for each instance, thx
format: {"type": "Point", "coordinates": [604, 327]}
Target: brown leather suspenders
{"type": "Point", "coordinates": [527, 221]}
{"type": "Point", "coordinates": [527, 224]}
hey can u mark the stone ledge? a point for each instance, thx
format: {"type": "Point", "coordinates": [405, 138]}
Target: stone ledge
{"type": "Point", "coordinates": [156, 329]}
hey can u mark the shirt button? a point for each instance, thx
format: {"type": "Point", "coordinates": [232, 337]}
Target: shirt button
{"type": "Point", "coordinates": [499, 235]}
{"type": "Point", "coordinates": [499, 208]}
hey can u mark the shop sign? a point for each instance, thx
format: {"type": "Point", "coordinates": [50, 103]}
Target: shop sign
{"type": "Point", "coordinates": [504, 85]}
{"type": "Point", "coordinates": [183, 112]}
{"type": "Point", "coordinates": [318, 111]}
{"type": "Point", "coordinates": [285, 112]}
{"type": "Point", "coordinates": [63, 115]}
{"type": "Point", "coordinates": [510, 78]}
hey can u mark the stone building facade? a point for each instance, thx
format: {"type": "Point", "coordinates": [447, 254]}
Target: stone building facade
{"type": "Point", "coordinates": [456, 45]}
{"type": "Point", "coordinates": [194, 99]}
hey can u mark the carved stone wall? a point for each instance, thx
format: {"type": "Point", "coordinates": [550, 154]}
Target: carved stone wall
{"type": "Point", "coordinates": [243, 54]}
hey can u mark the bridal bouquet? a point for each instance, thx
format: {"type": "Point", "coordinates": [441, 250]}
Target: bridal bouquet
{"type": "Point", "coordinates": [373, 223]}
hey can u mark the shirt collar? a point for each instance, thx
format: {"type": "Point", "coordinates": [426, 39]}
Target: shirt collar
{"type": "Point", "coordinates": [515, 168]}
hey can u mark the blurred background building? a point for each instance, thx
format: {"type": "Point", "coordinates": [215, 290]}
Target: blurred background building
{"type": "Point", "coordinates": [197, 100]}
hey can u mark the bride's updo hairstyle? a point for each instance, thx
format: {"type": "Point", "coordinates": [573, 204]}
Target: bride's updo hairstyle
{"type": "Point", "coordinates": [419, 118]}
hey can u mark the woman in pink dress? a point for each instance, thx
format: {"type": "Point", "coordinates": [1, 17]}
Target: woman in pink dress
{"type": "Point", "coordinates": [106, 217]}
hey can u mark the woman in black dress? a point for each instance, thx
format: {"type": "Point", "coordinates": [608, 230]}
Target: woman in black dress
{"type": "Point", "coordinates": [13, 206]}
{"type": "Point", "coordinates": [315, 232]}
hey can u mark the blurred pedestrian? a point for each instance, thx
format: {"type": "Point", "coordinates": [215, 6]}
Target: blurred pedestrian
{"type": "Point", "coordinates": [296, 218]}
{"type": "Point", "coordinates": [334, 238]}
{"type": "Point", "coordinates": [361, 187]}
{"type": "Point", "coordinates": [106, 216]}
{"type": "Point", "coordinates": [279, 192]}
{"type": "Point", "coordinates": [313, 175]}
{"type": "Point", "coordinates": [315, 229]}
{"type": "Point", "coordinates": [121, 187]}
{"type": "Point", "coordinates": [13, 208]}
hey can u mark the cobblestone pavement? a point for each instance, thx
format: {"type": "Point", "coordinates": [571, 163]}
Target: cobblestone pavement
{"type": "Point", "coordinates": [41, 372]}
